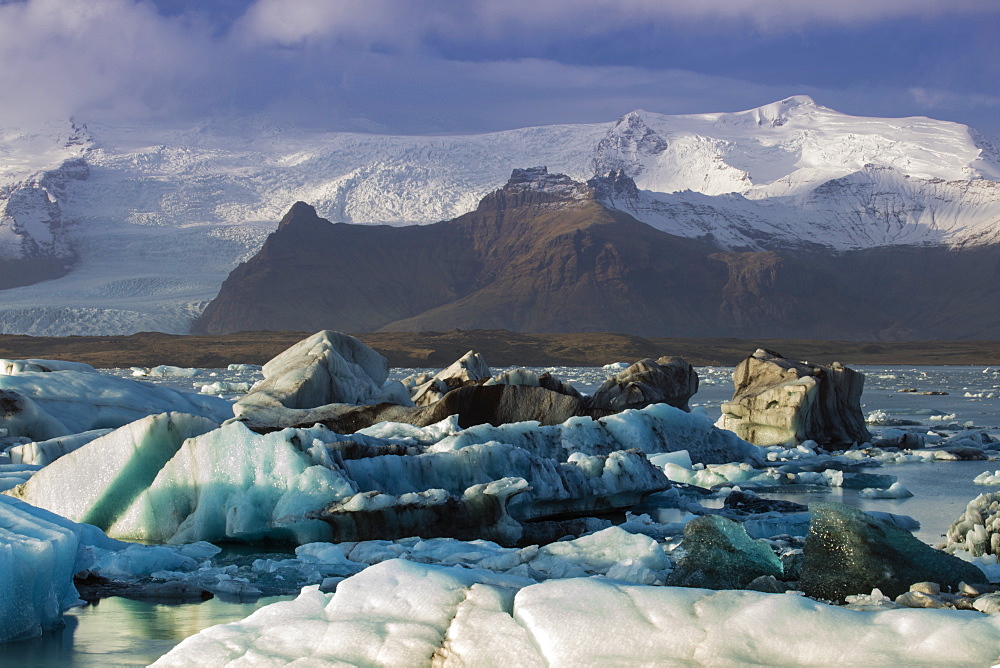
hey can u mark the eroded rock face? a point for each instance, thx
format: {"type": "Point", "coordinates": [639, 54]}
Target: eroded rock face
{"type": "Point", "coordinates": [776, 400]}
{"type": "Point", "coordinates": [850, 552]}
{"type": "Point", "coordinates": [669, 380]}
{"type": "Point", "coordinates": [720, 555]}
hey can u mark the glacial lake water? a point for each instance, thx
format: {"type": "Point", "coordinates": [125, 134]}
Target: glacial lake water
{"type": "Point", "coordinates": [122, 632]}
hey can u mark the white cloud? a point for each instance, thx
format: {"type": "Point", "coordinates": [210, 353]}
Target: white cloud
{"type": "Point", "coordinates": [59, 57]}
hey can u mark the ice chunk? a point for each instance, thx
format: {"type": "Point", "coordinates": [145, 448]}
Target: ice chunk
{"type": "Point", "coordinates": [404, 613]}
{"type": "Point", "coordinates": [43, 453]}
{"type": "Point", "coordinates": [480, 512]}
{"type": "Point", "coordinates": [98, 482]}
{"type": "Point", "coordinates": [326, 368]}
{"type": "Point", "coordinates": [987, 478]}
{"type": "Point", "coordinates": [469, 367]}
{"type": "Point", "coordinates": [848, 552]}
{"type": "Point", "coordinates": [232, 483]}
{"type": "Point", "coordinates": [977, 530]}
{"type": "Point", "coordinates": [895, 491]}
{"type": "Point", "coordinates": [397, 615]}
{"type": "Point", "coordinates": [14, 367]}
{"type": "Point", "coordinates": [612, 551]}
{"type": "Point", "coordinates": [38, 554]}
{"type": "Point", "coordinates": [778, 401]}
{"type": "Point", "coordinates": [580, 485]}
{"type": "Point", "coordinates": [655, 429]}
{"type": "Point", "coordinates": [720, 555]}
{"type": "Point", "coordinates": [81, 401]}
{"type": "Point", "coordinates": [20, 416]}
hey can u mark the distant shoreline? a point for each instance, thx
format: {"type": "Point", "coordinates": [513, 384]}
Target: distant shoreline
{"type": "Point", "coordinates": [499, 348]}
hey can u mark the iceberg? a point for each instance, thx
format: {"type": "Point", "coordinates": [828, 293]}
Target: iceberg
{"type": "Point", "coordinates": [404, 613]}
{"type": "Point", "coordinates": [325, 368]}
{"type": "Point", "coordinates": [38, 556]}
{"type": "Point", "coordinates": [98, 482]}
{"type": "Point", "coordinates": [74, 401]}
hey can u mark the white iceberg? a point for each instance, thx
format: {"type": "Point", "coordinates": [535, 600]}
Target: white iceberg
{"type": "Point", "coordinates": [325, 368]}
{"type": "Point", "coordinates": [80, 401]}
{"type": "Point", "coordinates": [403, 613]}
{"type": "Point", "coordinates": [98, 482]}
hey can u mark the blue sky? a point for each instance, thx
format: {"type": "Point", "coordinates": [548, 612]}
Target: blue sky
{"type": "Point", "coordinates": [474, 65]}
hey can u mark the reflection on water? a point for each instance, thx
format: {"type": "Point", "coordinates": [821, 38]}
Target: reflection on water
{"type": "Point", "coordinates": [120, 632]}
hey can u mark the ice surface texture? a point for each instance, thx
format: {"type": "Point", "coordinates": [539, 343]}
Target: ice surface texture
{"type": "Point", "coordinates": [400, 613]}
{"type": "Point", "coordinates": [849, 552]}
{"type": "Point", "coordinates": [720, 555]}
{"type": "Point", "coordinates": [84, 400]}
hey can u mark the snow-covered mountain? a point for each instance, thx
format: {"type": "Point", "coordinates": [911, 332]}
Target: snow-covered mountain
{"type": "Point", "coordinates": [156, 218]}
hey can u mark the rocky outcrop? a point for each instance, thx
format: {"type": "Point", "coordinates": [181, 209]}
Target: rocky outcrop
{"type": "Point", "coordinates": [776, 400]}
{"type": "Point", "coordinates": [849, 552]}
{"type": "Point", "coordinates": [540, 254]}
{"type": "Point", "coordinates": [668, 380]}
{"type": "Point", "coordinates": [549, 254]}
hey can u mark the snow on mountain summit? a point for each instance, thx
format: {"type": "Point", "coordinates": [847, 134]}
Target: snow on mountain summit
{"type": "Point", "coordinates": [164, 214]}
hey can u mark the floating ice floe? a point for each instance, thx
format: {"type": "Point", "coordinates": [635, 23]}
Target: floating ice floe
{"type": "Point", "coordinates": [63, 402]}
{"type": "Point", "coordinates": [40, 552]}
{"type": "Point", "coordinates": [401, 613]}
{"type": "Point", "coordinates": [166, 371]}
{"type": "Point", "coordinates": [894, 491]}
{"type": "Point", "coordinates": [15, 367]}
{"type": "Point", "coordinates": [987, 478]}
{"type": "Point", "coordinates": [146, 482]}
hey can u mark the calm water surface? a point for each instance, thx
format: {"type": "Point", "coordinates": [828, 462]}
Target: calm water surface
{"type": "Point", "coordinates": [120, 632]}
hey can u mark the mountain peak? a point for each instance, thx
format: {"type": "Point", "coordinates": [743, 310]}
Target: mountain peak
{"type": "Point", "coordinates": [777, 113]}
{"type": "Point", "coordinates": [538, 180]}
{"type": "Point", "coordinates": [300, 214]}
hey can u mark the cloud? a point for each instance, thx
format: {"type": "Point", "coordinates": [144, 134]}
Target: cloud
{"type": "Point", "coordinates": [122, 57]}
{"type": "Point", "coordinates": [388, 21]}
{"type": "Point", "coordinates": [469, 65]}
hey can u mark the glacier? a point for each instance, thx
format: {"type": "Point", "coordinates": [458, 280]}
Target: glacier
{"type": "Point", "coordinates": [153, 219]}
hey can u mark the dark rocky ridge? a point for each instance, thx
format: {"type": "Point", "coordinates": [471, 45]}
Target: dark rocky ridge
{"type": "Point", "coordinates": [543, 254]}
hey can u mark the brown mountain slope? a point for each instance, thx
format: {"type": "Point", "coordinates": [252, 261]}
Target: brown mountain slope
{"type": "Point", "coordinates": [533, 257]}
{"type": "Point", "coordinates": [543, 255]}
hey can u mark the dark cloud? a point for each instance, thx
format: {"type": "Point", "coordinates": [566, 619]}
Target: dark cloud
{"type": "Point", "coordinates": [472, 65]}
